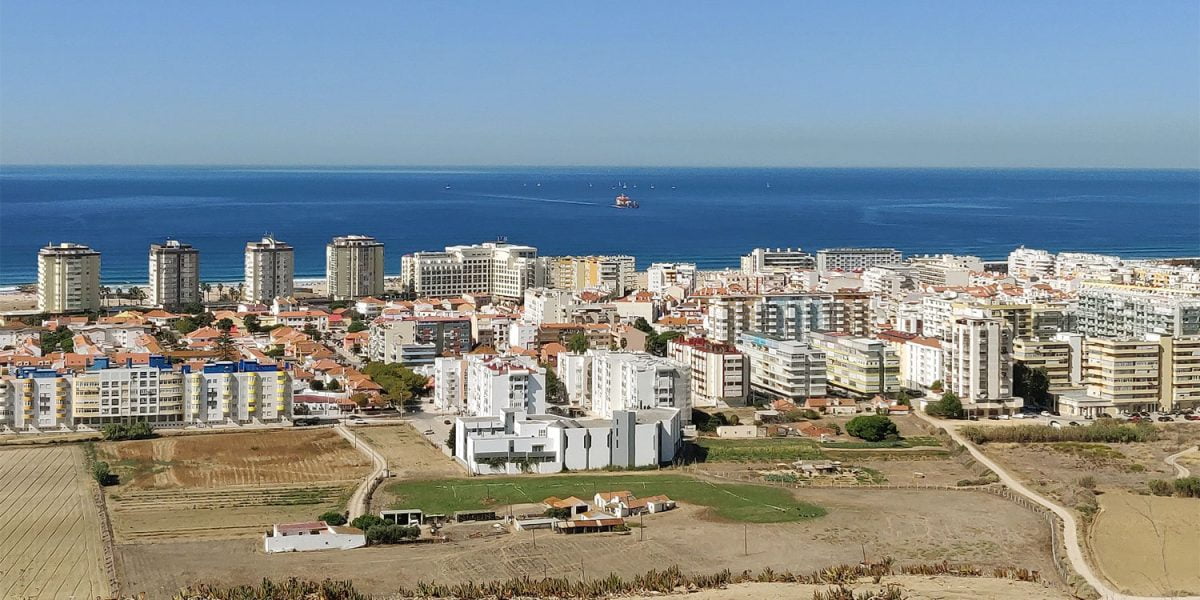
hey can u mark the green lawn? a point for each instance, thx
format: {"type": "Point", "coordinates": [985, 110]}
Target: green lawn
{"type": "Point", "coordinates": [758, 450]}
{"type": "Point", "coordinates": [735, 502]}
{"type": "Point", "coordinates": [908, 442]}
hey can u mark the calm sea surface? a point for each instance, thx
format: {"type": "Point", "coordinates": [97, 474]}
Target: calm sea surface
{"type": "Point", "coordinates": [709, 216]}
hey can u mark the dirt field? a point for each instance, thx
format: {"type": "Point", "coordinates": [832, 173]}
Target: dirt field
{"type": "Point", "coordinates": [409, 457]}
{"type": "Point", "coordinates": [1148, 545]}
{"type": "Point", "coordinates": [915, 588]}
{"type": "Point", "coordinates": [50, 533]}
{"type": "Point", "coordinates": [912, 526]}
{"type": "Point", "coordinates": [227, 485]}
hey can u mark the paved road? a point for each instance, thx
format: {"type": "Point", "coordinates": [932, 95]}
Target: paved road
{"type": "Point", "coordinates": [1180, 470]}
{"type": "Point", "coordinates": [361, 497]}
{"type": "Point", "coordinates": [1075, 551]}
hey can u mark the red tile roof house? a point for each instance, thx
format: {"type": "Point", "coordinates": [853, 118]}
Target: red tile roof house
{"type": "Point", "coordinates": [832, 406]}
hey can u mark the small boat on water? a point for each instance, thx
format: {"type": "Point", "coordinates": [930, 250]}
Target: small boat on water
{"type": "Point", "coordinates": [624, 201]}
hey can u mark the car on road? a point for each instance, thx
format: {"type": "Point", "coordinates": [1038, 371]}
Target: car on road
{"type": "Point", "coordinates": [1165, 419]}
{"type": "Point", "coordinates": [446, 422]}
{"type": "Point", "coordinates": [358, 421]}
{"type": "Point", "coordinates": [429, 432]}
{"type": "Point", "coordinates": [1192, 417]}
{"type": "Point", "coordinates": [1045, 413]}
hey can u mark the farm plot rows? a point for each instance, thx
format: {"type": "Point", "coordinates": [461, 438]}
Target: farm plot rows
{"type": "Point", "coordinates": [50, 543]}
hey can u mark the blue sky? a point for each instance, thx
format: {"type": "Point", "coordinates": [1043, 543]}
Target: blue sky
{"type": "Point", "coordinates": [922, 83]}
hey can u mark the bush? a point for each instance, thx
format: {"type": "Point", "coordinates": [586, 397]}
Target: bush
{"type": "Point", "coordinates": [1101, 431]}
{"type": "Point", "coordinates": [332, 518]}
{"type": "Point", "coordinates": [1187, 487]}
{"type": "Point", "coordinates": [317, 385]}
{"type": "Point", "coordinates": [949, 407]}
{"type": "Point", "coordinates": [127, 431]}
{"type": "Point", "coordinates": [1088, 482]}
{"type": "Point", "coordinates": [872, 428]}
{"type": "Point", "coordinates": [392, 534]}
{"type": "Point", "coordinates": [103, 474]}
{"type": "Point", "coordinates": [1160, 487]}
{"type": "Point", "coordinates": [366, 522]}
{"type": "Point", "coordinates": [558, 513]}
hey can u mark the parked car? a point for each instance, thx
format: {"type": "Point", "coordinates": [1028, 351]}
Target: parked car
{"type": "Point", "coordinates": [1045, 413]}
{"type": "Point", "coordinates": [429, 432]}
{"type": "Point", "coordinates": [1192, 417]}
{"type": "Point", "coordinates": [358, 421]}
{"type": "Point", "coordinates": [1056, 424]}
{"type": "Point", "coordinates": [1019, 416]}
{"type": "Point", "coordinates": [1074, 423]}
{"type": "Point", "coordinates": [1165, 419]}
{"type": "Point", "coordinates": [1003, 417]}
{"type": "Point", "coordinates": [446, 422]}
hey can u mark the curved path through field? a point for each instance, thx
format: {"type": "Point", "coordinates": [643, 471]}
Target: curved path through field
{"type": "Point", "coordinates": [1075, 552]}
{"type": "Point", "coordinates": [1173, 460]}
{"type": "Point", "coordinates": [362, 495]}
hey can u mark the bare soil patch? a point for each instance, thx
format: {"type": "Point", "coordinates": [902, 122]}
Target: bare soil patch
{"type": "Point", "coordinates": [50, 530]}
{"type": "Point", "coordinates": [1148, 545]}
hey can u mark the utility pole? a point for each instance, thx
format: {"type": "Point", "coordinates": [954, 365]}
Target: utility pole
{"type": "Point", "coordinates": [641, 527]}
{"type": "Point", "coordinates": [746, 540]}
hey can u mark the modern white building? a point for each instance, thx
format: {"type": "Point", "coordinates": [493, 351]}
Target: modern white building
{"type": "Point", "coordinates": [856, 259]}
{"type": "Point", "coordinates": [1126, 311]}
{"type": "Point", "coordinates": [497, 269]}
{"type": "Point", "coordinates": [68, 278]}
{"type": "Point", "coordinates": [546, 305]}
{"type": "Point", "coordinates": [660, 276]}
{"type": "Point", "coordinates": [449, 384]}
{"type": "Point", "coordinates": [768, 260]}
{"type": "Point", "coordinates": [946, 269]}
{"type": "Point", "coordinates": [270, 270]}
{"type": "Point", "coordinates": [174, 274]}
{"type": "Point", "coordinates": [793, 316]}
{"type": "Point", "coordinates": [719, 373]}
{"type": "Point", "coordinates": [921, 362]}
{"type": "Point", "coordinates": [498, 383]}
{"type": "Point", "coordinates": [728, 315]}
{"type": "Point", "coordinates": [1029, 263]}
{"type": "Point", "coordinates": [782, 369]}
{"type": "Point", "coordinates": [978, 364]}
{"type": "Point", "coordinates": [514, 442]}
{"type": "Point", "coordinates": [317, 535]}
{"type": "Point", "coordinates": [354, 267]}
{"type": "Point", "coordinates": [624, 381]}
{"type": "Point", "coordinates": [575, 374]}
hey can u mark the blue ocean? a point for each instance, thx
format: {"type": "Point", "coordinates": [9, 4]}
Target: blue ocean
{"type": "Point", "coordinates": [706, 215]}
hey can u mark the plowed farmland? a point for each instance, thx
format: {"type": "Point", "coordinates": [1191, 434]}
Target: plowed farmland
{"type": "Point", "coordinates": [50, 533]}
{"type": "Point", "coordinates": [227, 485]}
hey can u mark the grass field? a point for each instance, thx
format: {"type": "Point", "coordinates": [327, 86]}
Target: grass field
{"type": "Point", "coordinates": [50, 534]}
{"type": "Point", "coordinates": [757, 450]}
{"type": "Point", "coordinates": [916, 441]}
{"type": "Point", "coordinates": [734, 502]}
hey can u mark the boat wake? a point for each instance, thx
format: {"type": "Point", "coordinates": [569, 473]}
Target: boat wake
{"type": "Point", "coordinates": [525, 198]}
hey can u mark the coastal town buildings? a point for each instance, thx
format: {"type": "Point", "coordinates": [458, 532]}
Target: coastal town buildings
{"type": "Point", "coordinates": [856, 259]}
{"type": "Point", "coordinates": [631, 381]}
{"type": "Point", "coordinates": [496, 384]}
{"type": "Point", "coordinates": [174, 274]}
{"type": "Point", "coordinates": [270, 270]}
{"type": "Point", "coordinates": [617, 275]}
{"type": "Point", "coordinates": [857, 365]}
{"type": "Point", "coordinates": [497, 269]}
{"type": "Point", "coordinates": [662, 276]}
{"type": "Point", "coordinates": [782, 369]}
{"type": "Point", "coordinates": [354, 267]}
{"type": "Point", "coordinates": [1124, 311]}
{"type": "Point", "coordinates": [1029, 263]}
{"type": "Point", "coordinates": [979, 363]}
{"type": "Point", "coordinates": [68, 278]}
{"type": "Point", "coordinates": [765, 260]}
{"type": "Point", "coordinates": [718, 372]}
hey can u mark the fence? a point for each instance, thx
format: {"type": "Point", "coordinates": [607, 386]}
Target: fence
{"type": "Point", "coordinates": [106, 541]}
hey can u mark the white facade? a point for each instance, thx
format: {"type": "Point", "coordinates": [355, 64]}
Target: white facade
{"type": "Point", "coordinates": [782, 369]}
{"type": "Point", "coordinates": [946, 269]}
{"type": "Point", "coordinates": [174, 274]}
{"type": "Point", "coordinates": [921, 362]}
{"type": "Point", "coordinates": [574, 372]}
{"type": "Point", "coordinates": [624, 381]}
{"type": "Point", "coordinates": [793, 316]}
{"type": "Point", "coordinates": [856, 259]}
{"type": "Point", "coordinates": [1124, 311]}
{"type": "Point", "coordinates": [353, 267]}
{"type": "Point", "coordinates": [719, 373]}
{"type": "Point", "coordinates": [270, 270]}
{"type": "Point", "coordinates": [497, 269]}
{"type": "Point", "coordinates": [305, 537]}
{"type": "Point", "coordinates": [515, 443]}
{"type": "Point", "coordinates": [979, 362]}
{"type": "Point", "coordinates": [728, 316]}
{"type": "Point", "coordinates": [449, 384]}
{"type": "Point", "coordinates": [660, 276]}
{"type": "Point", "coordinates": [499, 383]}
{"type": "Point", "coordinates": [767, 260]}
{"type": "Point", "coordinates": [545, 305]}
{"type": "Point", "coordinates": [68, 278]}
{"type": "Point", "coordinates": [1028, 263]}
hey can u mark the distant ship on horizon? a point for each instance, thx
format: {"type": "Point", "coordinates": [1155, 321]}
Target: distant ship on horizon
{"type": "Point", "coordinates": [624, 201]}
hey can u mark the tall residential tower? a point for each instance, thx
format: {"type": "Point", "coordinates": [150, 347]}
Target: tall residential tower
{"type": "Point", "coordinates": [270, 270]}
{"type": "Point", "coordinates": [174, 274]}
{"type": "Point", "coordinates": [354, 267]}
{"type": "Point", "coordinates": [68, 278]}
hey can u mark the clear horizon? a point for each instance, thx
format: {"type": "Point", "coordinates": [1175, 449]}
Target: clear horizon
{"type": "Point", "coordinates": [936, 84]}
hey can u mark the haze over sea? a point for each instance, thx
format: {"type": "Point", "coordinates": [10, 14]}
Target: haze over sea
{"type": "Point", "coordinates": [706, 215]}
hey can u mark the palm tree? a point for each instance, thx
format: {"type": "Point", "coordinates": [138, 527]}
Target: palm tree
{"type": "Point", "coordinates": [207, 287]}
{"type": "Point", "coordinates": [104, 292]}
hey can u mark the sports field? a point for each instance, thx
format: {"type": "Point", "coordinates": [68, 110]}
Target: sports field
{"type": "Point", "coordinates": [50, 533]}
{"type": "Point", "coordinates": [733, 502]}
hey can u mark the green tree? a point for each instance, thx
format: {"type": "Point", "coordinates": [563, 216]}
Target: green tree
{"type": "Point", "coordinates": [937, 385]}
{"type": "Point", "coordinates": [1032, 384]}
{"type": "Point", "coordinates": [193, 308]}
{"type": "Point", "coordinates": [225, 325]}
{"type": "Point", "coordinates": [332, 518]}
{"type": "Point", "coordinates": [61, 339]}
{"type": "Point", "coordinates": [360, 399]}
{"type": "Point", "coordinates": [577, 343]}
{"type": "Point", "coordinates": [333, 385]}
{"type": "Point", "coordinates": [451, 441]}
{"type": "Point", "coordinates": [366, 522]}
{"type": "Point", "coordinates": [399, 382]}
{"type": "Point", "coordinates": [643, 326]}
{"type": "Point", "coordinates": [356, 326]}
{"type": "Point", "coordinates": [253, 325]}
{"type": "Point", "coordinates": [186, 325]}
{"type": "Point", "coordinates": [225, 348]}
{"type": "Point", "coordinates": [103, 474]}
{"type": "Point", "coordinates": [311, 331]}
{"type": "Point", "coordinates": [317, 385]}
{"type": "Point", "coordinates": [657, 344]}
{"type": "Point", "coordinates": [949, 407]}
{"type": "Point", "coordinates": [872, 428]}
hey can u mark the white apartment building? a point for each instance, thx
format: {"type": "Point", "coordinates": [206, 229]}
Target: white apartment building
{"type": "Point", "coordinates": [630, 381]}
{"type": "Point", "coordinates": [545, 305]}
{"type": "Point", "coordinates": [499, 383]}
{"type": "Point", "coordinates": [856, 259]}
{"type": "Point", "coordinates": [270, 270]}
{"type": "Point", "coordinates": [1083, 265]}
{"type": "Point", "coordinates": [497, 269]}
{"type": "Point", "coordinates": [719, 373]}
{"type": "Point", "coordinates": [617, 274]}
{"type": "Point", "coordinates": [890, 284]}
{"type": "Point", "coordinates": [921, 362]}
{"type": "Point", "coordinates": [1125, 311]}
{"type": "Point", "coordinates": [946, 269]}
{"type": "Point", "coordinates": [728, 316]}
{"type": "Point", "coordinates": [782, 369]}
{"type": "Point", "coordinates": [68, 278]}
{"type": "Point", "coordinates": [861, 366]}
{"type": "Point", "coordinates": [766, 260]}
{"type": "Point", "coordinates": [1028, 263]}
{"type": "Point", "coordinates": [792, 316]}
{"type": "Point", "coordinates": [449, 384]}
{"type": "Point", "coordinates": [661, 276]}
{"type": "Point", "coordinates": [575, 373]}
{"type": "Point", "coordinates": [35, 400]}
{"type": "Point", "coordinates": [979, 363]}
{"type": "Point", "coordinates": [1122, 375]}
{"type": "Point", "coordinates": [354, 267]}
{"type": "Point", "coordinates": [514, 443]}
{"type": "Point", "coordinates": [936, 314]}
{"type": "Point", "coordinates": [174, 274]}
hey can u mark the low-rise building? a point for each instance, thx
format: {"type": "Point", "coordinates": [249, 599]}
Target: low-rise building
{"type": "Point", "coordinates": [315, 535]}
